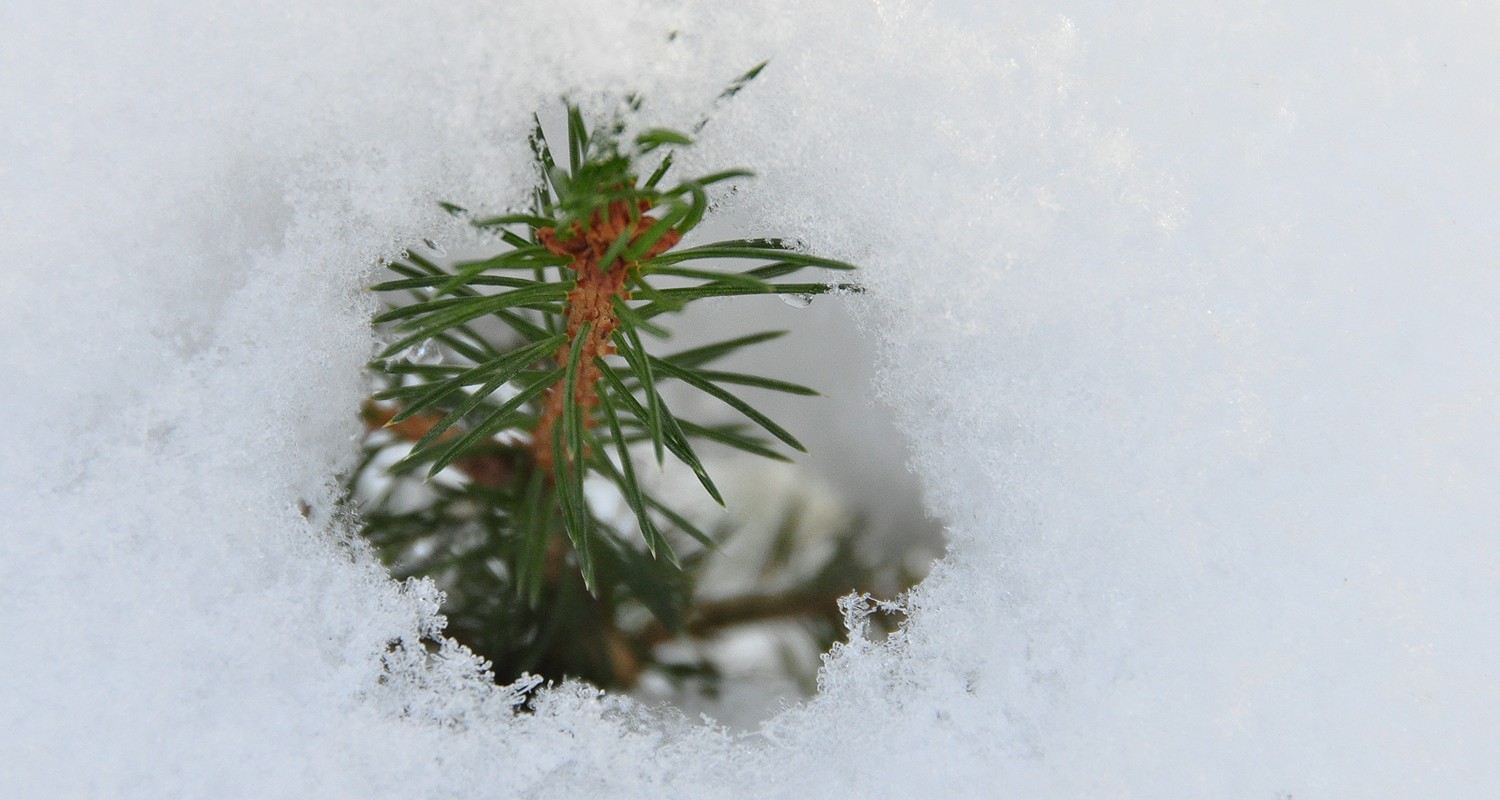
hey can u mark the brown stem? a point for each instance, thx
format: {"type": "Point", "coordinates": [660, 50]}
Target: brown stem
{"type": "Point", "coordinates": [495, 468]}
{"type": "Point", "coordinates": [706, 618]}
{"type": "Point", "coordinates": [591, 303]}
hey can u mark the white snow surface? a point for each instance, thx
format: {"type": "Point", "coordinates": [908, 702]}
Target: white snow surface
{"type": "Point", "coordinates": [1189, 313]}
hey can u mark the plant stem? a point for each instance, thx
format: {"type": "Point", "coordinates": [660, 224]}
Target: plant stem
{"type": "Point", "coordinates": [591, 301]}
{"type": "Point", "coordinates": [706, 618]}
{"type": "Point", "coordinates": [495, 468]}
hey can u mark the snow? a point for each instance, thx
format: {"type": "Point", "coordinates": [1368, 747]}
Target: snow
{"type": "Point", "coordinates": [1188, 312]}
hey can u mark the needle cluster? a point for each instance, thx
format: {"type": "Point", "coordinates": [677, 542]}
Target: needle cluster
{"type": "Point", "coordinates": [549, 398]}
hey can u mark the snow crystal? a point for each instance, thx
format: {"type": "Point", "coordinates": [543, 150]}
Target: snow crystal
{"type": "Point", "coordinates": [1188, 313]}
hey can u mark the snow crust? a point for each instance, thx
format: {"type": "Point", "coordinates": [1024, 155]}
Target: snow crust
{"type": "Point", "coordinates": [1189, 313]}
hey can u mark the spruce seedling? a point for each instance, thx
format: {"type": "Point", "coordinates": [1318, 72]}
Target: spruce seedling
{"type": "Point", "coordinates": [536, 418]}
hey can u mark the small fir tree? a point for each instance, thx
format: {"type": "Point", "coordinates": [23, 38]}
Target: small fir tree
{"type": "Point", "coordinates": [521, 430]}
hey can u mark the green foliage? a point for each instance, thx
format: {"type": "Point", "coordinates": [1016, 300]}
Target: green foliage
{"type": "Point", "coordinates": [547, 396]}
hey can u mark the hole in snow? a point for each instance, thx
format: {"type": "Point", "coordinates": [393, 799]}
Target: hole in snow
{"type": "Point", "coordinates": [793, 538]}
